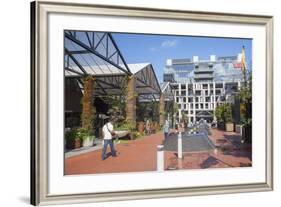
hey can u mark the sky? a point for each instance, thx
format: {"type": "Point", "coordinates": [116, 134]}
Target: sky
{"type": "Point", "coordinates": [156, 49]}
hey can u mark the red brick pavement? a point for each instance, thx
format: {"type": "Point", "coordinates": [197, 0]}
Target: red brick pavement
{"type": "Point", "coordinates": [140, 155]}
{"type": "Point", "coordinates": [137, 155]}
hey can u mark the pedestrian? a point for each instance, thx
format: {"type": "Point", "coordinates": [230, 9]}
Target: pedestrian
{"type": "Point", "coordinates": [147, 127]}
{"type": "Point", "coordinates": [166, 129]}
{"type": "Point", "coordinates": [108, 134]}
{"type": "Point", "coordinates": [177, 127]}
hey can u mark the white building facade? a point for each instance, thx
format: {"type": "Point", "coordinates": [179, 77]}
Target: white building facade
{"type": "Point", "coordinates": [200, 85]}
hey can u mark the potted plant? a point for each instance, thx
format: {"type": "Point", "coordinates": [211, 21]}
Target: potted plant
{"type": "Point", "coordinates": [219, 112]}
{"type": "Point", "coordinates": [229, 125]}
{"type": "Point", "coordinates": [224, 115]}
{"type": "Point", "coordinates": [141, 128]}
{"type": "Point", "coordinates": [86, 139]}
{"type": "Point", "coordinates": [72, 139]}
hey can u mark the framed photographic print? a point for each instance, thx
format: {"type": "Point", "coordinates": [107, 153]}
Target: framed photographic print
{"type": "Point", "coordinates": [135, 103]}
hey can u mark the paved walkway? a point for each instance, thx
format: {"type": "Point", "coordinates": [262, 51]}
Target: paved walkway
{"type": "Point", "coordinates": [230, 153]}
{"type": "Point", "coordinates": [140, 155]}
{"type": "Point", "coordinates": [136, 156]}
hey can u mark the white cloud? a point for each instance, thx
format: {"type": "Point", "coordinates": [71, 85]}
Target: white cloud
{"type": "Point", "coordinates": [164, 44]}
{"type": "Point", "coordinates": [169, 43]}
{"type": "Point", "coordinates": [153, 49]}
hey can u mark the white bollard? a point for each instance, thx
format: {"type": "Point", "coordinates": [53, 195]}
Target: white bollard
{"type": "Point", "coordinates": [179, 146]}
{"type": "Point", "coordinates": [216, 151]}
{"type": "Point", "coordinates": [160, 158]}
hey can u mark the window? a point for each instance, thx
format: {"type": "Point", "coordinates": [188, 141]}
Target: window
{"type": "Point", "coordinates": [208, 99]}
{"type": "Point", "coordinates": [201, 106]}
{"type": "Point", "coordinates": [196, 106]}
{"type": "Point", "coordinates": [190, 92]}
{"type": "Point", "coordinates": [177, 99]}
{"type": "Point", "coordinates": [234, 88]}
{"type": "Point", "coordinates": [183, 93]}
{"type": "Point", "coordinates": [219, 85]}
{"type": "Point", "coordinates": [176, 86]}
{"type": "Point", "coordinates": [206, 93]}
{"type": "Point", "coordinates": [206, 106]}
{"type": "Point", "coordinates": [169, 78]}
{"type": "Point", "coordinates": [218, 92]}
{"type": "Point", "coordinates": [184, 99]}
{"type": "Point", "coordinates": [196, 99]}
{"type": "Point", "coordinates": [198, 93]}
{"type": "Point", "coordinates": [190, 99]}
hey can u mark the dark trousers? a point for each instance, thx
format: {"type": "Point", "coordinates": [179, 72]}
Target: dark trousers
{"type": "Point", "coordinates": [104, 148]}
{"type": "Point", "coordinates": [166, 135]}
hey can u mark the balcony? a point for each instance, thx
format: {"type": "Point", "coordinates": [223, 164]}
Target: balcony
{"type": "Point", "coordinates": [204, 76]}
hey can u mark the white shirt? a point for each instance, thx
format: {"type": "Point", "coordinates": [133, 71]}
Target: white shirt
{"type": "Point", "coordinates": [106, 130]}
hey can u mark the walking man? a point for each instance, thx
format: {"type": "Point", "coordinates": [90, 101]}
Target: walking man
{"type": "Point", "coordinates": [108, 134]}
{"type": "Point", "coordinates": [166, 129]}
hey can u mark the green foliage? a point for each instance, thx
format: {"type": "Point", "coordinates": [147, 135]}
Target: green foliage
{"type": "Point", "coordinates": [245, 96]}
{"type": "Point", "coordinates": [223, 112]}
{"type": "Point", "coordinates": [136, 134]}
{"type": "Point", "coordinates": [175, 107]}
{"type": "Point", "coordinates": [184, 117]}
{"type": "Point", "coordinates": [82, 133]}
{"type": "Point", "coordinates": [246, 122]}
{"type": "Point", "coordinates": [147, 110]}
{"type": "Point", "coordinates": [125, 125]}
{"type": "Point", "coordinates": [116, 107]}
{"type": "Point", "coordinates": [88, 109]}
{"type": "Point", "coordinates": [71, 135]}
{"type": "Point", "coordinates": [77, 134]}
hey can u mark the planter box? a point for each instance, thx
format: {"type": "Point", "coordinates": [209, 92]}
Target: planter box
{"type": "Point", "coordinates": [229, 127]}
{"type": "Point", "coordinates": [238, 129]}
{"type": "Point", "coordinates": [88, 142]}
{"type": "Point", "coordinates": [74, 144]}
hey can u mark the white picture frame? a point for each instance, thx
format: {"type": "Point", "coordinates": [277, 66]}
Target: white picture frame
{"type": "Point", "coordinates": [42, 189]}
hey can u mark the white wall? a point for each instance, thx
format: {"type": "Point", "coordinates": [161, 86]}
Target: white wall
{"type": "Point", "coordinates": [14, 114]}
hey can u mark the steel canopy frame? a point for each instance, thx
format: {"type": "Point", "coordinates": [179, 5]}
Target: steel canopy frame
{"type": "Point", "coordinates": [103, 47]}
{"type": "Point", "coordinates": [83, 48]}
{"type": "Point", "coordinates": [146, 80]}
{"type": "Point", "coordinates": [166, 89]}
{"type": "Point", "coordinates": [97, 54]}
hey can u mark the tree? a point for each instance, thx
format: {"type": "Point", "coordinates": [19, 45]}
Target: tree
{"type": "Point", "coordinates": [223, 112]}
{"type": "Point", "coordinates": [245, 96]}
{"type": "Point", "coordinates": [88, 109]}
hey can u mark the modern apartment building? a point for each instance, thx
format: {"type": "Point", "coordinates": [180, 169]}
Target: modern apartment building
{"type": "Point", "coordinates": [200, 85]}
